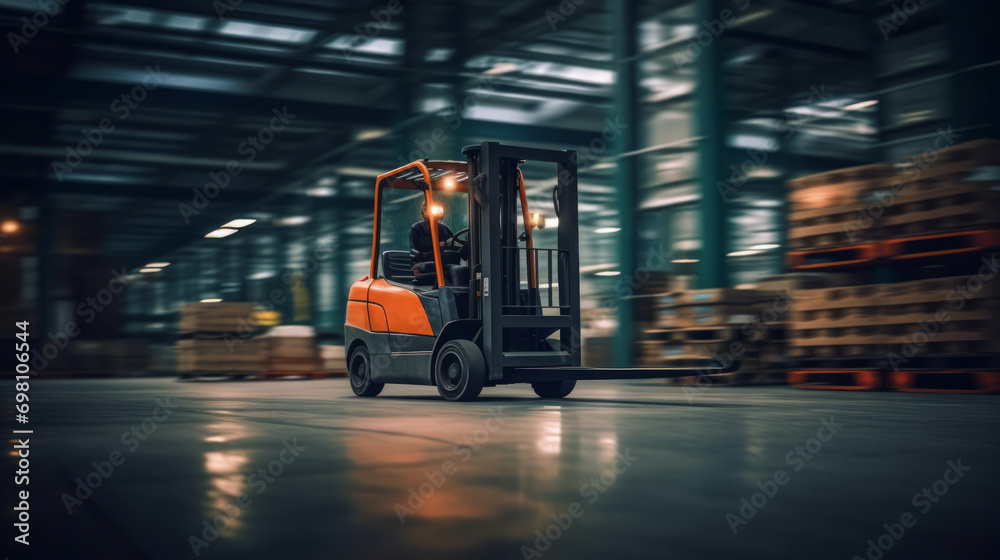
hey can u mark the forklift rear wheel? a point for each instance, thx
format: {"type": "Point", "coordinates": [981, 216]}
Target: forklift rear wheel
{"type": "Point", "coordinates": [553, 389]}
{"type": "Point", "coordinates": [360, 368]}
{"type": "Point", "coordinates": [460, 371]}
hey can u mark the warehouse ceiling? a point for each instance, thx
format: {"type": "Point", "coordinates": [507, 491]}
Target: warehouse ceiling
{"type": "Point", "coordinates": [132, 110]}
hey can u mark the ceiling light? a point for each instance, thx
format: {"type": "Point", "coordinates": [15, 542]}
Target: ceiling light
{"type": "Point", "coordinates": [321, 192]}
{"type": "Point", "coordinates": [684, 261]}
{"type": "Point", "coordinates": [211, 300]}
{"type": "Point", "coordinates": [743, 253]}
{"type": "Point", "coordinates": [10, 226]}
{"type": "Point", "coordinates": [503, 68]}
{"type": "Point", "coordinates": [149, 270]}
{"type": "Point", "coordinates": [158, 265]}
{"type": "Point", "coordinates": [608, 230]}
{"type": "Point", "coordinates": [293, 221]}
{"type": "Point", "coordinates": [220, 233]}
{"type": "Point", "coordinates": [765, 247]}
{"type": "Point", "coordinates": [608, 273]}
{"type": "Point", "coordinates": [238, 223]}
{"type": "Point", "coordinates": [861, 105]}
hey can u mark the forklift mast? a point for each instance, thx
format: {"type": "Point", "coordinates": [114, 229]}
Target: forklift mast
{"type": "Point", "coordinates": [526, 323]}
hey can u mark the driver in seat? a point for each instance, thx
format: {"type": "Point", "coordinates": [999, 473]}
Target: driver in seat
{"type": "Point", "coordinates": [452, 250]}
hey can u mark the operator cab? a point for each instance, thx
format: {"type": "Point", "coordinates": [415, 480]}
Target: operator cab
{"type": "Point", "coordinates": [409, 206]}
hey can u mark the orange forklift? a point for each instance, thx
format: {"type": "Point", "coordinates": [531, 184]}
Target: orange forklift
{"type": "Point", "coordinates": [499, 304]}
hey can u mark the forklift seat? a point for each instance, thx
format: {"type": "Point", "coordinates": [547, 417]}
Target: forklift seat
{"type": "Point", "coordinates": [396, 268]}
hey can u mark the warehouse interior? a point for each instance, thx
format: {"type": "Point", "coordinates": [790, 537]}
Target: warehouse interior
{"type": "Point", "coordinates": [805, 187]}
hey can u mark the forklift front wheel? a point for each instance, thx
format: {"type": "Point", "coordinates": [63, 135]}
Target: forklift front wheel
{"type": "Point", "coordinates": [361, 373]}
{"type": "Point", "coordinates": [460, 371]}
{"type": "Point", "coordinates": [553, 389]}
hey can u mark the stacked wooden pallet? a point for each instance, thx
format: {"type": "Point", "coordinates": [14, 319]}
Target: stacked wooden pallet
{"type": "Point", "coordinates": [706, 328]}
{"type": "Point", "coordinates": [923, 198]}
{"type": "Point", "coordinates": [934, 317]}
{"type": "Point", "coordinates": [825, 207]}
{"type": "Point", "coordinates": [220, 338]}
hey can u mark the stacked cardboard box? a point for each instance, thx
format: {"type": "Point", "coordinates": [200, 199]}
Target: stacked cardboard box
{"type": "Point", "coordinates": [934, 317]}
{"type": "Point", "coordinates": [220, 338]}
{"type": "Point", "coordinates": [292, 348]}
{"type": "Point", "coordinates": [221, 356]}
{"type": "Point", "coordinates": [334, 358]}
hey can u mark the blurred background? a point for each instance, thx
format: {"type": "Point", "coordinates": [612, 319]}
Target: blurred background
{"type": "Point", "coordinates": [135, 132]}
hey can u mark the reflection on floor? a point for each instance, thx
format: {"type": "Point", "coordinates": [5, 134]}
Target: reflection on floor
{"type": "Point", "coordinates": [303, 469]}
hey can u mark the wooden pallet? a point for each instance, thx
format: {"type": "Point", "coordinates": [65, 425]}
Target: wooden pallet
{"type": "Point", "coordinates": [945, 381]}
{"type": "Point", "coordinates": [837, 379]}
{"type": "Point", "coordinates": [941, 244]}
{"type": "Point", "coordinates": [309, 374]}
{"type": "Point", "coordinates": [842, 257]}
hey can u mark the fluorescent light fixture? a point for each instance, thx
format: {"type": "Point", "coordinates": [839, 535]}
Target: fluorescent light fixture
{"type": "Point", "coordinates": [765, 247]}
{"type": "Point", "coordinates": [503, 68]}
{"type": "Point", "coordinates": [321, 192]}
{"type": "Point", "coordinates": [684, 261]}
{"type": "Point", "coordinates": [239, 223]}
{"type": "Point", "coordinates": [608, 273]}
{"type": "Point", "coordinates": [149, 270]}
{"type": "Point", "coordinates": [267, 32]}
{"type": "Point", "coordinates": [220, 233]}
{"type": "Point", "coordinates": [293, 221]}
{"type": "Point", "coordinates": [743, 253]}
{"type": "Point", "coordinates": [211, 300]}
{"type": "Point", "coordinates": [370, 134]}
{"type": "Point", "coordinates": [861, 105]}
{"type": "Point", "coordinates": [608, 230]}
{"type": "Point", "coordinates": [158, 265]}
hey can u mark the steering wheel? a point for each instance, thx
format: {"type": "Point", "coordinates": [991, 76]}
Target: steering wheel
{"type": "Point", "coordinates": [459, 233]}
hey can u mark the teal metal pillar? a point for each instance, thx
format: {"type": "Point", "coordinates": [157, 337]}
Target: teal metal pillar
{"type": "Point", "coordinates": [624, 32]}
{"type": "Point", "coordinates": [710, 122]}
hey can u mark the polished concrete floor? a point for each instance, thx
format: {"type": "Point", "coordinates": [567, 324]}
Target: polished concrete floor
{"type": "Point", "coordinates": [494, 479]}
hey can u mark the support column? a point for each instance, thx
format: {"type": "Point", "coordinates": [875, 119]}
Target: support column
{"type": "Point", "coordinates": [711, 125]}
{"type": "Point", "coordinates": [626, 108]}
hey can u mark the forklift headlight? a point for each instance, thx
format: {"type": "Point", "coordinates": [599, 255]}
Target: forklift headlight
{"type": "Point", "coordinates": [437, 210]}
{"type": "Point", "coordinates": [538, 220]}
